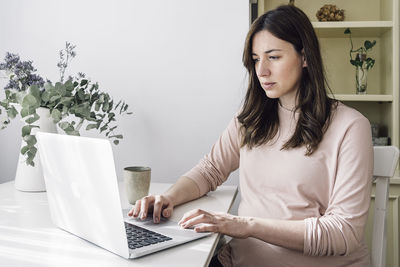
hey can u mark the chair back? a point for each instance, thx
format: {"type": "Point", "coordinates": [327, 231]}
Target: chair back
{"type": "Point", "coordinates": [385, 162]}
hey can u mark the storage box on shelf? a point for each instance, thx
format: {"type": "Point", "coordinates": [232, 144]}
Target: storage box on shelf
{"type": "Point", "coordinates": [368, 20]}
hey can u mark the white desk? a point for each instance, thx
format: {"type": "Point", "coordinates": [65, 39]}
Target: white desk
{"type": "Point", "coordinates": [28, 237]}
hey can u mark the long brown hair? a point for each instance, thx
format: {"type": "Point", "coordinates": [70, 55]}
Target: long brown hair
{"type": "Point", "coordinates": [259, 115]}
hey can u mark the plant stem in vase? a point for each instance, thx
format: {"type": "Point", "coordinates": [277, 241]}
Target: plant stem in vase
{"type": "Point", "coordinates": [361, 75]}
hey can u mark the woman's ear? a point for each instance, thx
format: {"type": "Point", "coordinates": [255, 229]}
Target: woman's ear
{"type": "Point", "coordinates": [303, 58]}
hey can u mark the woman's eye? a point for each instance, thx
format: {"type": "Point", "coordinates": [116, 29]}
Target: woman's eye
{"type": "Point", "coordinates": [256, 59]}
{"type": "Point", "coordinates": [273, 57]}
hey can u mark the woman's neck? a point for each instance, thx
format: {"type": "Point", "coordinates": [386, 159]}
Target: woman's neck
{"type": "Point", "coordinates": [286, 106]}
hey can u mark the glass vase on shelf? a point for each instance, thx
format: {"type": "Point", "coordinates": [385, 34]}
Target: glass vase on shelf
{"type": "Point", "coordinates": [361, 74]}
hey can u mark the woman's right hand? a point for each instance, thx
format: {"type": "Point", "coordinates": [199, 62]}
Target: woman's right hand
{"type": "Point", "coordinates": [161, 204]}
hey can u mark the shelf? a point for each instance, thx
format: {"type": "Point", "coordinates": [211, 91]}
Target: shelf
{"type": "Point", "coordinates": [363, 98]}
{"type": "Point", "coordinates": [335, 29]}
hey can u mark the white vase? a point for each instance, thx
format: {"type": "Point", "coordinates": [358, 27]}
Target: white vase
{"type": "Point", "coordinates": [30, 178]}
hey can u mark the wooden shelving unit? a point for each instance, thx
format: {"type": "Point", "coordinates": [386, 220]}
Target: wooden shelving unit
{"type": "Point", "coordinates": [363, 98]}
{"type": "Point", "coordinates": [359, 28]}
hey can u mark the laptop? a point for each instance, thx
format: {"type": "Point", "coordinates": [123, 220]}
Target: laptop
{"type": "Point", "coordinates": [83, 196]}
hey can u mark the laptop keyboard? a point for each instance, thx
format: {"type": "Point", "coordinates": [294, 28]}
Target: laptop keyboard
{"type": "Point", "coordinates": [139, 237]}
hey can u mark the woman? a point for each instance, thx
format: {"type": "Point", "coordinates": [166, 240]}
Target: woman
{"type": "Point", "coordinates": [305, 160]}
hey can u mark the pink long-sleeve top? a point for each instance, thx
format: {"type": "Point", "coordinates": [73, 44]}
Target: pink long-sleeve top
{"type": "Point", "coordinates": [329, 190]}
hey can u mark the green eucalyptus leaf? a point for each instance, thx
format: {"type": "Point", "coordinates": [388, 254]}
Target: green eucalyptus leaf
{"type": "Point", "coordinates": [8, 93]}
{"type": "Point", "coordinates": [83, 82]}
{"type": "Point", "coordinates": [48, 86]}
{"type": "Point", "coordinates": [46, 96]}
{"type": "Point", "coordinates": [90, 119]}
{"type": "Point", "coordinates": [105, 107]}
{"type": "Point", "coordinates": [72, 132]}
{"type": "Point", "coordinates": [63, 125]}
{"type": "Point", "coordinates": [12, 112]}
{"type": "Point", "coordinates": [97, 106]}
{"type": "Point", "coordinates": [24, 149]}
{"type": "Point", "coordinates": [24, 112]}
{"type": "Point", "coordinates": [111, 104]}
{"type": "Point", "coordinates": [106, 97]}
{"type": "Point", "coordinates": [69, 86]}
{"type": "Point", "coordinates": [31, 154]}
{"type": "Point", "coordinates": [103, 128]}
{"type": "Point", "coordinates": [81, 95]}
{"type": "Point", "coordinates": [30, 140]}
{"type": "Point", "coordinates": [83, 110]}
{"type": "Point", "coordinates": [58, 87]}
{"type": "Point", "coordinates": [32, 119]}
{"type": "Point", "coordinates": [27, 111]}
{"type": "Point", "coordinates": [62, 90]}
{"type": "Point", "coordinates": [91, 126]}
{"type": "Point", "coordinates": [4, 104]}
{"type": "Point", "coordinates": [67, 127]}
{"type": "Point", "coordinates": [111, 115]}
{"type": "Point", "coordinates": [56, 115]}
{"type": "Point", "coordinates": [101, 99]}
{"type": "Point", "coordinates": [30, 101]}
{"type": "Point", "coordinates": [67, 100]}
{"type": "Point", "coordinates": [119, 136]}
{"type": "Point", "coordinates": [34, 90]}
{"type": "Point", "coordinates": [29, 160]}
{"type": "Point", "coordinates": [122, 107]}
{"type": "Point", "coordinates": [95, 97]}
{"type": "Point", "coordinates": [54, 98]}
{"type": "Point", "coordinates": [17, 97]}
{"type": "Point", "coordinates": [33, 150]}
{"type": "Point", "coordinates": [26, 130]}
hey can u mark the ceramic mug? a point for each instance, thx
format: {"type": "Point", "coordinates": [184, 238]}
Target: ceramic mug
{"type": "Point", "coordinates": [137, 182]}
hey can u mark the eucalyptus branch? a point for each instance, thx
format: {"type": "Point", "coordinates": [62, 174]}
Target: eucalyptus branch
{"type": "Point", "coordinates": [77, 97]}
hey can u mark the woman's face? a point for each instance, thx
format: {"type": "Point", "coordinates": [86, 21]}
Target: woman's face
{"type": "Point", "coordinates": [278, 67]}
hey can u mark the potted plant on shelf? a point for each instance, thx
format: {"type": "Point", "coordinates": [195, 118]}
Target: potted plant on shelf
{"type": "Point", "coordinates": [359, 58]}
{"type": "Point", "coordinates": [42, 105]}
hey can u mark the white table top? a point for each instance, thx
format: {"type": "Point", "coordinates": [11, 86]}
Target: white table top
{"type": "Point", "coordinates": [29, 238]}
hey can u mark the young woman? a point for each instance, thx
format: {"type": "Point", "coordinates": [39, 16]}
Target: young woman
{"type": "Point", "coordinates": [305, 160]}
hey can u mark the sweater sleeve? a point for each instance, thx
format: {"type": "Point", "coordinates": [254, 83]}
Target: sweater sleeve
{"type": "Point", "coordinates": [223, 159]}
{"type": "Point", "coordinates": [340, 230]}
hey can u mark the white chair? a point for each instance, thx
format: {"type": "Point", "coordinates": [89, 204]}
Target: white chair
{"type": "Point", "coordinates": [385, 162]}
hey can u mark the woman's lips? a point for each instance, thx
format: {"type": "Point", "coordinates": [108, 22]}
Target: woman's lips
{"type": "Point", "coordinates": [268, 86]}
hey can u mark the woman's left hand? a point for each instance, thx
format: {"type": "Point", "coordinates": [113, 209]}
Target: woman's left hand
{"type": "Point", "coordinates": [216, 222]}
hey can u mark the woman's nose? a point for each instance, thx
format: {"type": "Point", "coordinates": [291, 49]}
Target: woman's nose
{"type": "Point", "coordinates": [263, 69]}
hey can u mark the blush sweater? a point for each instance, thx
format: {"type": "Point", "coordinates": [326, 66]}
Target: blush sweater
{"type": "Point", "coordinates": [329, 190]}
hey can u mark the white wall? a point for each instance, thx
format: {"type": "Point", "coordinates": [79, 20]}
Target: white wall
{"type": "Point", "coordinates": [176, 62]}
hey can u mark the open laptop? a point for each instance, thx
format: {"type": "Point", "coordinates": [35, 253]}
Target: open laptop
{"type": "Point", "coordinates": [84, 200]}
